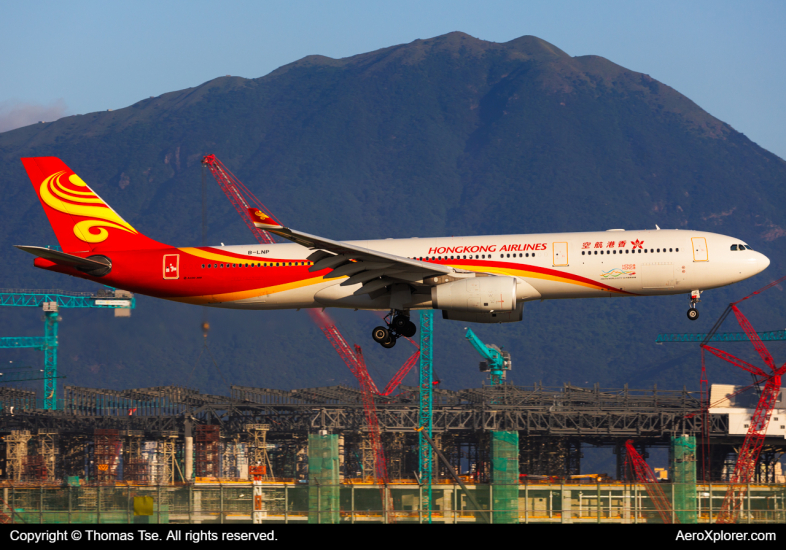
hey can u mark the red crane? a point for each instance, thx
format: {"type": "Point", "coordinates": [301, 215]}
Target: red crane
{"type": "Point", "coordinates": [643, 474]}
{"type": "Point", "coordinates": [241, 198]}
{"type": "Point", "coordinates": [748, 455]}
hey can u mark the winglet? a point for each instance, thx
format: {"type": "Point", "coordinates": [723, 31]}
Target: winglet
{"type": "Point", "coordinates": [262, 220]}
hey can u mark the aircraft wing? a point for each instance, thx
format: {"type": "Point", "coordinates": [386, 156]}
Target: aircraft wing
{"type": "Point", "coordinates": [374, 269]}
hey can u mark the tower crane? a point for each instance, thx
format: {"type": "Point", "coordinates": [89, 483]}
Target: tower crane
{"type": "Point", "coordinates": [51, 301]}
{"type": "Point", "coordinates": [496, 361]}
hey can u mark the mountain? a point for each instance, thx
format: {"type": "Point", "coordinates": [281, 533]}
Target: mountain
{"type": "Point", "coordinates": [447, 136]}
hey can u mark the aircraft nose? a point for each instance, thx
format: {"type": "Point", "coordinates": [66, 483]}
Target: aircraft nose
{"type": "Point", "coordinates": [763, 262]}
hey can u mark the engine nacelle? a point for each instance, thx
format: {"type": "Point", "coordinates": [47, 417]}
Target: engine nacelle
{"type": "Point", "coordinates": [476, 295]}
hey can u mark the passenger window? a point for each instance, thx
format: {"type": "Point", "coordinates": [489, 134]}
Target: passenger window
{"type": "Point", "coordinates": [582, 252]}
{"type": "Point", "coordinates": [677, 249]}
{"type": "Point", "coordinates": [203, 266]}
{"type": "Point", "coordinates": [615, 252]}
{"type": "Point", "coordinates": [627, 251]}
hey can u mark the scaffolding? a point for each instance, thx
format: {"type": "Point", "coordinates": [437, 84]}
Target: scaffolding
{"type": "Point", "coordinates": [505, 476]}
{"type": "Point", "coordinates": [47, 450]}
{"type": "Point", "coordinates": [168, 461]}
{"type": "Point", "coordinates": [16, 453]}
{"type": "Point", "coordinates": [106, 449]}
{"type": "Point", "coordinates": [323, 483]}
{"type": "Point", "coordinates": [207, 451]}
{"type": "Point", "coordinates": [135, 467]}
{"type": "Point", "coordinates": [258, 457]}
{"type": "Point", "coordinates": [682, 458]}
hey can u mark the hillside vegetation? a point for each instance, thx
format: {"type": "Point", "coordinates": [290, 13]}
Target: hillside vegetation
{"type": "Point", "coordinates": [447, 136]}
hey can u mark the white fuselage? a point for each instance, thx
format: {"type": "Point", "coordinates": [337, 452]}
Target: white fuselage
{"type": "Point", "coordinates": [557, 265]}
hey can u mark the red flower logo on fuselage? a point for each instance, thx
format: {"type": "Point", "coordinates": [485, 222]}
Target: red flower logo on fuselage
{"type": "Point", "coordinates": [636, 244]}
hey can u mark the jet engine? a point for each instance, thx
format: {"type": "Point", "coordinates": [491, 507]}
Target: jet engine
{"type": "Point", "coordinates": [476, 295]}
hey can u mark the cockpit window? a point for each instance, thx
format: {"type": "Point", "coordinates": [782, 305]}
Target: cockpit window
{"type": "Point", "coordinates": [734, 247]}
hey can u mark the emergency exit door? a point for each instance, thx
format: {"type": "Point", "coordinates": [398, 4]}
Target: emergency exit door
{"type": "Point", "coordinates": [560, 252]}
{"type": "Point", "coordinates": [700, 249]}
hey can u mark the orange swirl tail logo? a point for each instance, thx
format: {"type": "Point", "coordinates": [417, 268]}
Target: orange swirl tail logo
{"type": "Point", "coordinates": [72, 196]}
{"type": "Point", "coordinates": [261, 219]}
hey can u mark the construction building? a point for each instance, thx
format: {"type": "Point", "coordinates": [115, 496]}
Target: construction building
{"type": "Point", "coordinates": [268, 455]}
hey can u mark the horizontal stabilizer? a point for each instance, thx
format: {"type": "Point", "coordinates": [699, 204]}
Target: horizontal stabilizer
{"type": "Point", "coordinates": [67, 260]}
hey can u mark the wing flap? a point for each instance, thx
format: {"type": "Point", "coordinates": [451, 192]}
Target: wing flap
{"type": "Point", "coordinates": [375, 270]}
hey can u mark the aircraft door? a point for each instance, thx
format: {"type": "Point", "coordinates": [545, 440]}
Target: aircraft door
{"type": "Point", "coordinates": [560, 253]}
{"type": "Point", "coordinates": [700, 253]}
{"type": "Point", "coordinates": [171, 266]}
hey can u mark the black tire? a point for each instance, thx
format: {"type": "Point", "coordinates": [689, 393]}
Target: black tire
{"type": "Point", "coordinates": [399, 322]}
{"type": "Point", "coordinates": [389, 343]}
{"type": "Point", "coordinates": [409, 330]}
{"type": "Point", "coordinates": [380, 334]}
{"type": "Point", "coordinates": [693, 314]}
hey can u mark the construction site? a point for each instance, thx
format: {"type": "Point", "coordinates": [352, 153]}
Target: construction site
{"type": "Point", "coordinates": [498, 453]}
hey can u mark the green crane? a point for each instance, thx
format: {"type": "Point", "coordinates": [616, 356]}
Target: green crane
{"type": "Point", "coordinates": [51, 301]}
{"type": "Point", "coordinates": [771, 336]}
{"type": "Point", "coordinates": [496, 362]}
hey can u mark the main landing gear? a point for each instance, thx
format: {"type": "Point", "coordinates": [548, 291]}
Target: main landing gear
{"type": "Point", "coordinates": [693, 313]}
{"type": "Point", "coordinates": [398, 327]}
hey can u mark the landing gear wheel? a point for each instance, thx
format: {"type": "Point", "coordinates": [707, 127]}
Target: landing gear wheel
{"type": "Point", "coordinates": [381, 335]}
{"type": "Point", "coordinates": [399, 322]}
{"type": "Point", "coordinates": [389, 343]}
{"type": "Point", "coordinates": [693, 314]}
{"type": "Point", "coordinates": [409, 329]}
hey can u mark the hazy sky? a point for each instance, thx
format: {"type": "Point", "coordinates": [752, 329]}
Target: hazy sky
{"type": "Point", "coordinates": [78, 57]}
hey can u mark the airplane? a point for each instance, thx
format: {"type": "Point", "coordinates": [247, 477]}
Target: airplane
{"type": "Point", "coordinates": [481, 279]}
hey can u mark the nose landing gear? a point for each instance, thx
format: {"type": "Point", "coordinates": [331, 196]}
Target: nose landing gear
{"type": "Point", "coordinates": [693, 313]}
{"type": "Point", "coordinates": [398, 327]}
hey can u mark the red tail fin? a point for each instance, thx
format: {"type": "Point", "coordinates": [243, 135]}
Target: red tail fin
{"type": "Point", "coordinates": [81, 220]}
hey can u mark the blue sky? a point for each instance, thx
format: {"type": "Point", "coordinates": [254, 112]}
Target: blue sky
{"type": "Point", "coordinates": [78, 57]}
